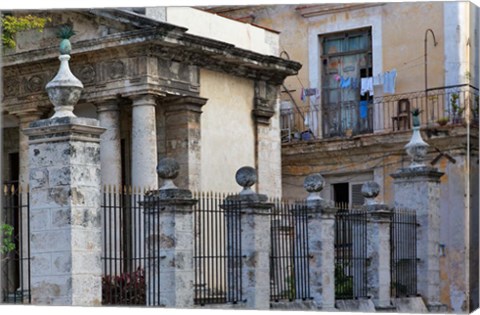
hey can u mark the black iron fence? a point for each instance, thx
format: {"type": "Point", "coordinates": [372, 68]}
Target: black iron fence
{"type": "Point", "coordinates": [15, 250]}
{"type": "Point", "coordinates": [124, 250]}
{"type": "Point", "coordinates": [289, 255]}
{"type": "Point", "coordinates": [403, 262]}
{"type": "Point", "coordinates": [217, 249]}
{"type": "Point", "coordinates": [350, 254]}
{"type": "Point", "coordinates": [452, 105]}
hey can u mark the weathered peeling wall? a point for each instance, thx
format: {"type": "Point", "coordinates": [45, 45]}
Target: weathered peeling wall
{"type": "Point", "coordinates": [227, 130]}
{"type": "Point", "coordinates": [474, 233]}
{"type": "Point", "coordinates": [404, 50]}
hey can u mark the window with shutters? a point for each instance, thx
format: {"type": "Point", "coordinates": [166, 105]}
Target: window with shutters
{"type": "Point", "coordinates": [346, 190]}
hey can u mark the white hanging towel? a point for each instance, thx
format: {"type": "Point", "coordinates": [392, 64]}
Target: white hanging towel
{"type": "Point", "coordinates": [366, 85]}
{"type": "Point", "coordinates": [389, 81]}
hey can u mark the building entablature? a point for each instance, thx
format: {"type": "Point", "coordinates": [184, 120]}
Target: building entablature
{"type": "Point", "coordinates": [159, 59]}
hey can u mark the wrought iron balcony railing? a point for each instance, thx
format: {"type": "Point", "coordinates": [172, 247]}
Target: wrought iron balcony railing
{"type": "Point", "coordinates": [438, 106]}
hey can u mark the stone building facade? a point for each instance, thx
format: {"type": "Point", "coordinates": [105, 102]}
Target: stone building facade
{"type": "Point", "coordinates": [160, 90]}
{"type": "Point", "coordinates": [329, 126]}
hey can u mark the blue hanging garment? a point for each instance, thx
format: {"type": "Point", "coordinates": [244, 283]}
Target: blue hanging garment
{"type": "Point", "coordinates": [363, 109]}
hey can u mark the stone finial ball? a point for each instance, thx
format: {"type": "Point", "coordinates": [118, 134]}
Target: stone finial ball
{"type": "Point", "coordinates": [168, 168]}
{"type": "Point", "coordinates": [314, 183]}
{"type": "Point", "coordinates": [370, 189]}
{"type": "Point", "coordinates": [246, 176]}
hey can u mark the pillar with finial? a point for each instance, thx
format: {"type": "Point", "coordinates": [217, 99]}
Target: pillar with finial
{"type": "Point", "coordinates": [169, 241]}
{"type": "Point", "coordinates": [379, 218]}
{"type": "Point", "coordinates": [321, 240]}
{"type": "Point", "coordinates": [254, 211]}
{"type": "Point", "coordinates": [64, 172]}
{"type": "Point", "coordinates": [417, 187]}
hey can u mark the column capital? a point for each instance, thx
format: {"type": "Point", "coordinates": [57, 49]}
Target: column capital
{"type": "Point", "coordinates": [190, 103]}
{"type": "Point", "coordinates": [107, 105]}
{"type": "Point", "coordinates": [143, 99]}
{"type": "Point", "coordinates": [25, 118]}
{"type": "Point", "coordinates": [417, 173]}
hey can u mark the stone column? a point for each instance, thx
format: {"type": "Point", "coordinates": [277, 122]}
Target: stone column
{"type": "Point", "coordinates": [183, 137]}
{"type": "Point", "coordinates": [417, 187]}
{"type": "Point", "coordinates": [169, 240]}
{"type": "Point", "coordinates": [321, 239]}
{"type": "Point", "coordinates": [111, 172]}
{"type": "Point", "coordinates": [378, 246]}
{"type": "Point", "coordinates": [25, 120]}
{"type": "Point", "coordinates": [144, 142]}
{"type": "Point", "coordinates": [110, 153]}
{"type": "Point", "coordinates": [255, 241]}
{"type": "Point", "coordinates": [23, 182]}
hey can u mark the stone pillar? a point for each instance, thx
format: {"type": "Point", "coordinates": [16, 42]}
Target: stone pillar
{"type": "Point", "coordinates": [169, 240]}
{"type": "Point", "coordinates": [144, 142]}
{"type": "Point", "coordinates": [417, 187]}
{"type": "Point", "coordinates": [321, 239]}
{"type": "Point", "coordinates": [378, 246]}
{"type": "Point", "coordinates": [255, 241]}
{"type": "Point", "coordinates": [65, 224]}
{"type": "Point", "coordinates": [65, 230]}
{"type": "Point", "coordinates": [110, 153]}
{"type": "Point", "coordinates": [268, 145]}
{"type": "Point", "coordinates": [183, 138]}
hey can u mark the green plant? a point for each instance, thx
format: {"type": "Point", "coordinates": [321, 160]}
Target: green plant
{"type": "Point", "coordinates": [456, 108]}
{"type": "Point", "coordinates": [443, 121]}
{"type": "Point", "coordinates": [416, 111]}
{"type": "Point", "coordinates": [11, 25]}
{"type": "Point", "coordinates": [343, 283]}
{"type": "Point", "coordinates": [6, 232]}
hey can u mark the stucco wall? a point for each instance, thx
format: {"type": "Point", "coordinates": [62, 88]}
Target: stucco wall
{"type": "Point", "coordinates": [228, 140]}
{"type": "Point", "coordinates": [226, 30]}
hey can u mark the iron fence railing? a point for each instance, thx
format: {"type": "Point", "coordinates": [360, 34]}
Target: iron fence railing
{"type": "Point", "coordinates": [124, 250]}
{"type": "Point", "coordinates": [403, 254]}
{"type": "Point", "coordinates": [289, 254]}
{"type": "Point", "coordinates": [452, 105]}
{"type": "Point", "coordinates": [16, 261]}
{"type": "Point", "coordinates": [350, 254]}
{"type": "Point", "coordinates": [217, 249]}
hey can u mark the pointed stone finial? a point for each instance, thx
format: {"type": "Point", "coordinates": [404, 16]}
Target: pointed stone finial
{"type": "Point", "coordinates": [246, 177]}
{"type": "Point", "coordinates": [416, 148]}
{"type": "Point", "coordinates": [370, 191]}
{"type": "Point", "coordinates": [65, 89]}
{"type": "Point", "coordinates": [314, 184]}
{"type": "Point", "coordinates": [167, 170]}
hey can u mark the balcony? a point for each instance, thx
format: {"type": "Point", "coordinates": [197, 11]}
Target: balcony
{"type": "Point", "coordinates": [451, 105]}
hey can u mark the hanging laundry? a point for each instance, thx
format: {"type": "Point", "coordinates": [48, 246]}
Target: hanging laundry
{"type": "Point", "coordinates": [363, 109]}
{"type": "Point", "coordinates": [366, 85]}
{"type": "Point", "coordinates": [389, 81]}
{"type": "Point", "coordinates": [355, 83]}
{"type": "Point", "coordinates": [302, 95]}
{"type": "Point", "coordinates": [345, 83]}
{"type": "Point", "coordinates": [378, 79]}
{"type": "Point", "coordinates": [337, 77]}
{"type": "Point", "coordinates": [310, 92]}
